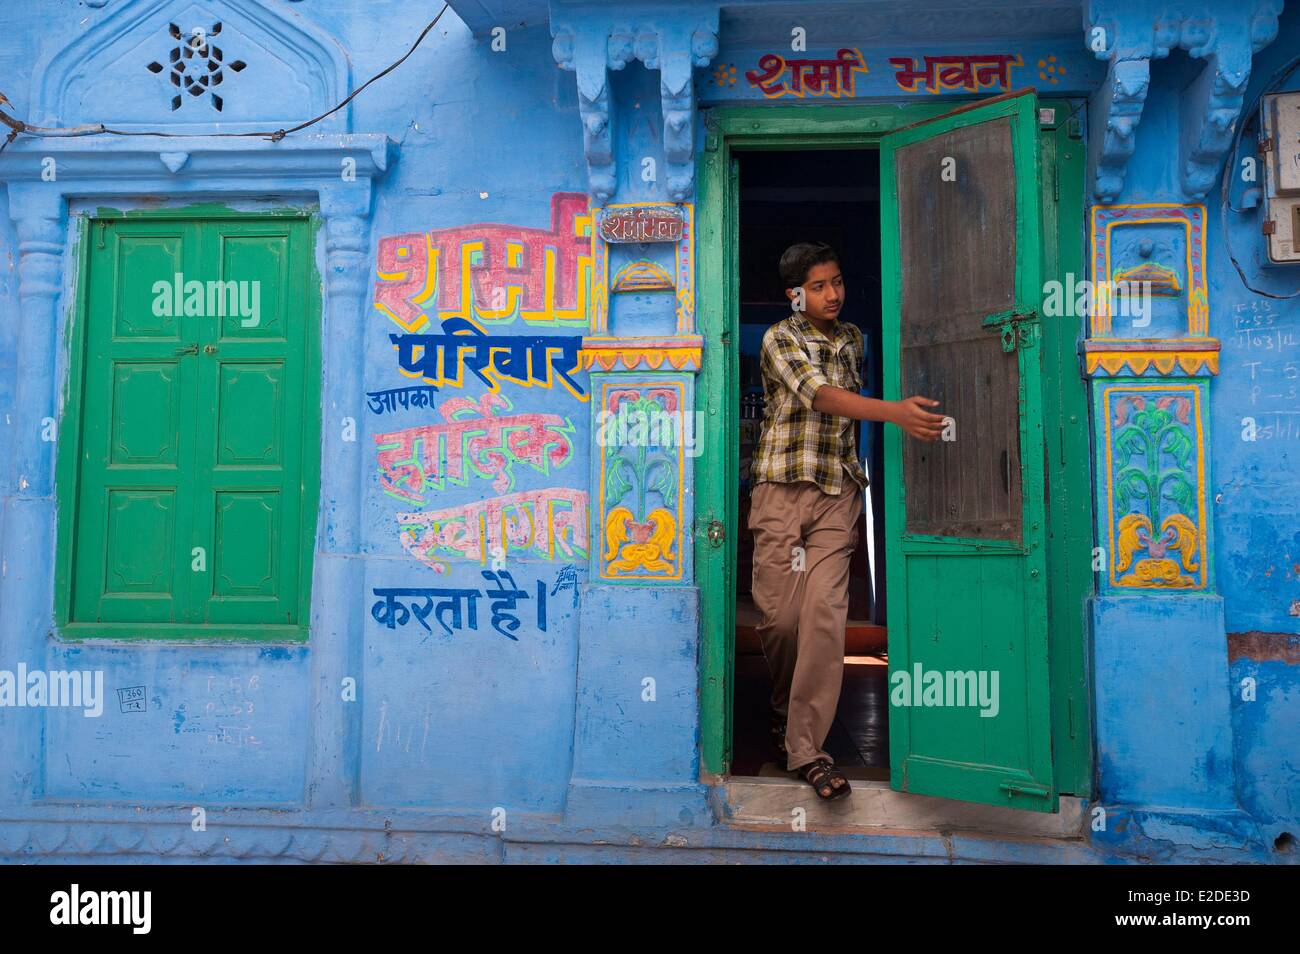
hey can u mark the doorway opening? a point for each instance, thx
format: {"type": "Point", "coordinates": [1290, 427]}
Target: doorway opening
{"type": "Point", "coordinates": [1043, 747]}
{"type": "Point", "coordinates": [785, 197]}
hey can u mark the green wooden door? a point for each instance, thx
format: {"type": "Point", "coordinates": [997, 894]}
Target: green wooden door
{"type": "Point", "coordinates": [195, 415]}
{"type": "Point", "coordinates": [970, 713]}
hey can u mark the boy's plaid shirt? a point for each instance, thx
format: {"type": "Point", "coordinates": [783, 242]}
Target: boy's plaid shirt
{"type": "Point", "coordinates": [798, 443]}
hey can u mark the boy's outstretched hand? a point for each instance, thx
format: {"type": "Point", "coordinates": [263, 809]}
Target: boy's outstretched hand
{"type": "Point", "coordinates": [911, 416]}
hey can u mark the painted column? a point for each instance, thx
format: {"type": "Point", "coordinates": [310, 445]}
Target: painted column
{"type": "Point", "coordinates": [636, 731]}
{"type": "Point", "coordinates": [1164, 733]}
{"type": "Point", "coordinates": [40, 216]}
{"type": "Point", "coordinates": [339, 609]}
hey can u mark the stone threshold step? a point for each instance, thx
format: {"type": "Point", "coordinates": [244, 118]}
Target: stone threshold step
{"type": "Point", "coordinates": [873, 805]}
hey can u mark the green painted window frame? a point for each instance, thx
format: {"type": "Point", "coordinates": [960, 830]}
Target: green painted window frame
{"type": "Point", "coordinates": [67, 467]}
{"type": "Point", "coordinates": [730, 129]}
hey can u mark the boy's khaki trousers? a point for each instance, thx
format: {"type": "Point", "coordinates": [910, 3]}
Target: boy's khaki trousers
{"type": "Point", "coordinates": [803, 539]}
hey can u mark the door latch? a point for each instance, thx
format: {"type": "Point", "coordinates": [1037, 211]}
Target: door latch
{"type": "Point", "coordinates": [717, 532]}
{"type": "Point", "coordinates": [188, 349]}
{"type": "Point", "coordinates": [1017, 329]}
{"type": "Point", "coordinates": [1026, 788]}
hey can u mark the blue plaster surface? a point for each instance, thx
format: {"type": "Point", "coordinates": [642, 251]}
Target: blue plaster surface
{"type": "Point", "coordinates": [1163, 732]}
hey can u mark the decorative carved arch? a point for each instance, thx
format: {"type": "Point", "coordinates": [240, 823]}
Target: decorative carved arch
{"type": "Point", "coordinates": [295, 70]}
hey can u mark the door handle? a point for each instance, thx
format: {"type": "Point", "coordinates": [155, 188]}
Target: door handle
{"type": "Point", "coordinates": [209, 349]}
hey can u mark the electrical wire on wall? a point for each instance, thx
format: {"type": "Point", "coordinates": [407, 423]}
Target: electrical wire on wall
{"type": "Point", "coordinates": [1276, 80]}
{"type": "Point", "coordinates": [18, 127]}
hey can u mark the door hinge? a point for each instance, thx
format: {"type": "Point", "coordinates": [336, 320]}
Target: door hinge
{"type": "Point", "coordinates": [1269, 226]}
{"type": "Point", "coordinates": [1266, 145]}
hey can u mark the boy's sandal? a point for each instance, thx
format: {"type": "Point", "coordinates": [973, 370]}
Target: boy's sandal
{"type": "Point", "coordinates": [821, 775]}
{"type": "Point", "coordinates": [777, 733]}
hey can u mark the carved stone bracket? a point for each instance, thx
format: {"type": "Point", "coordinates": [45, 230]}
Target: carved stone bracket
{"type": "Point", "coordinates": [592, 40]}
{"type": "Point", "coordinates": [1128, 34]}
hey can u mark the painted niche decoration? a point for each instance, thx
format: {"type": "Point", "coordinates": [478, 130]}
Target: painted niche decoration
{"type": "Point", "coordinates": [641, 540]}
{"type": "Point", "coordinates": [1156, 480]}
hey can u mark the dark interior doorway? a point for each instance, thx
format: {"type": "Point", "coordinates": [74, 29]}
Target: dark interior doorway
{"type": "Point", "coordinates": [786, 197]}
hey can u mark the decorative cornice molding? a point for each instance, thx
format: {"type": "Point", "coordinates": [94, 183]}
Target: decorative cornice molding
{"type": "Point", "coordinates": [683, 353]}
{"type": "Point", "coordinates": [1168, 357]}
{"type": "Point", "coordinates": [592, 40]}
{"type": "Point", "coordinates": [1133, 32]}
{"type": "Point", "coordinates": [59, 839]}
{"type": "Point", "coordinates": [345, 159]}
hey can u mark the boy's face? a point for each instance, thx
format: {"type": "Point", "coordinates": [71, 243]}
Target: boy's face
{"type": "Point", "coordinates": [822, 292]}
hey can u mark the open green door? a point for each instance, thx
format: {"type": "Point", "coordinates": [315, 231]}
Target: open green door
{"type": "Point", "coordinates": [970, 715]}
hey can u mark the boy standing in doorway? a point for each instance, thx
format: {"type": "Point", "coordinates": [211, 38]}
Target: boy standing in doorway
{"type": "Point", "coordinates": [807, 501]}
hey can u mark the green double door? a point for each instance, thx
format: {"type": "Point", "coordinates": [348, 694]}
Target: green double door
{"type": "Point", "coordinates": [194, 410]}
{"type": "Point", "coordinates": [970, 712]}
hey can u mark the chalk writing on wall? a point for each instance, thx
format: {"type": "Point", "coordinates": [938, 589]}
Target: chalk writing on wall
{"type": "Point", "coordinates": [538, 521]}
{"type": "Point", "coordinates": [457, 608]}
{"type": "Point", "coordinates": [227, 715]}
{"type": "Point", "coordinates": [1267, 350]}
{"type": "Point", "coordinates": [490, 273]}
{"type": "Point", "coordinates": [474, 441]}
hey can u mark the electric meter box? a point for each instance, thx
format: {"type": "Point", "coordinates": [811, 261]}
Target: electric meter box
{"type": "Point", "coordinates": [1280, 148]}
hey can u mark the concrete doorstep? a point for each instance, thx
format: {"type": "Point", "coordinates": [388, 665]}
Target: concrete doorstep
{"type": "Point", "coordinates": [874, 806]}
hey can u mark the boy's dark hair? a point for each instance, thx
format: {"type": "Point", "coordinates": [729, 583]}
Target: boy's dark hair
{"type": "Point", "coordinates": [802, 256]}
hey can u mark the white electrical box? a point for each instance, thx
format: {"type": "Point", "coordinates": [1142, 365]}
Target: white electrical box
{"type": "Point", "coordinates": [1280, 150]}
